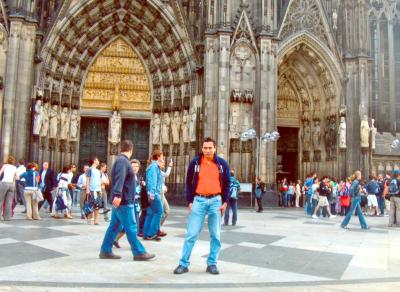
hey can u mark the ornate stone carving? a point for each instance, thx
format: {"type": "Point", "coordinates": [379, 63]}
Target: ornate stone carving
{"type": "Point", "coordinates": [234, 121]}
{"type": "Point", "coordinates": [53, 116]}
{"type": "Point", "coordinates": [38, 117]}
{"type": "Point", "coordinates": [185, 127]}
{"type": "Point", "coordinates": [306, 15]}
{"type": "Point", "coordinates": [192, 125]}
{"type": "Point", "coordinates": [44, 130]}
{"type": "Point", "coordinates": [330, 138]}
{"type": "Point", "coordinates": [155, 129]}
{"type": "Point", "coordinates": [74, 127]}
{"type": "Point", "coordinates": [342, 133]}
{"type": "Point", "coordinates": [165, 128]}
{"type": "Point", "coordinates": [234, 146]}
{"type": "Point", "coordinates": [65, 123]}
{"type": "Point", "coordinates": [364, 132]}
{"type": "Point", "coordinates": [316, 135]}
{"type": "Point", "coordinates": [175, 127]}
{"type": "Point", "coordinates": [306, 135]}
{"type": "Point", "coordinates": [373, 134]}
{"type": "Point", "coordinates": [115, 128]}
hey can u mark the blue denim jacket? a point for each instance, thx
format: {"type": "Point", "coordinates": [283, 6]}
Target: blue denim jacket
{"type": "Point", "coordinates": [154, 179]}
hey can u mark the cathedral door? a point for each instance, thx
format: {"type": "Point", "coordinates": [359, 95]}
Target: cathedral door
{"type": "Point", "coordinates": [138, 131]}
{"type": "Point", "coordinates": [93, 141]}
{"type": "Point", "coordinates": [287, 154]}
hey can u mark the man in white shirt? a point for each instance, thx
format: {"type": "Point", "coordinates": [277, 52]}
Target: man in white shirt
{"type": "Point", "coordinates": [20, 184]}
{"type": "Point", "coordinates": [81, 186]}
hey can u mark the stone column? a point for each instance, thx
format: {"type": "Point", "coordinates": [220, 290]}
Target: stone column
{"type": "Point", "coordinates": [210, 91]}
{"type": "Point", "coordinates": [24, 91]}
{"type": "Point", "coordinates": [267, 114]}
{"type": "Point", "coordinates": [10, 83]}
{"type": "Point", "coordinates": [392, 78]}
{"type": "Point", "coordinates": [223, 95]}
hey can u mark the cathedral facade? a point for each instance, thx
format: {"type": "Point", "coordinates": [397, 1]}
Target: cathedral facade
{"type": "Point", "coordinates": [77, 77]}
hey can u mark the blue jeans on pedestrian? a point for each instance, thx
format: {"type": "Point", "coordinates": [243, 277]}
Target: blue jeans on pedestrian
{"type": "Point", "coordinates": [232, 204]}
{"type": "Point", "coordinates": [308, 205]}
{"type": "Point", "coordinates": [381, 204]}
{"type": "Point", "coordinates": [122, 217]}
{"type": "Point", "coordinates": [285, 199]}
{"type": "Point", "coordinates": [355, 205]}
{"type": "Point", "coordinates": [153, 217]}
{"type": "Point", "coordinates": [200, 208]}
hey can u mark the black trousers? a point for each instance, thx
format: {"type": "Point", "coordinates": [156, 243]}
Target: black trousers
{"type": "Point", "coordinates": [259, 203]}
{"type": "Point", "coordinates": [142, 219]}
{"type": "Point", "coordinates": [47, 196]}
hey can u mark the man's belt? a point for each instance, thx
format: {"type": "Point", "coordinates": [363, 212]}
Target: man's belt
{"type": "Point", "coordinates": [207, 196]}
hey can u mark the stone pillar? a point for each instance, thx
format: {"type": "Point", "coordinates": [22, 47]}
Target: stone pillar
{"type": "Point", "coordinates": [223, 95]}
{"type": "Point", "coordinates": [267, 106]}
{"type": "Point", "coordinates": [10, 83]}
{"type": "Point", "coordinates": [210, 91]}
{"type": "Point", "coordinates": [24, 91]}
{"type": "Point", "coordinates": [392, 78]}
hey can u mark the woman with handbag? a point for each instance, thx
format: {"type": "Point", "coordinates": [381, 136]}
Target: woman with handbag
{"type": "Point", "coordinates": [31, 193]}
{"type": "Point", "coordinates": [63, 201]}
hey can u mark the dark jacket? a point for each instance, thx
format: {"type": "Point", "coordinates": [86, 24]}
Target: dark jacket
{"type": "Point", "coordinates": [323, 189]}
{"type": "Point", "coordinates": [30, 177]}
{"type": "Point", "coordinates": [192, 177]}
{"type": "Point", "coordinates": [123, 181]}
{"type": "Point", "coordinates": [49, 180]}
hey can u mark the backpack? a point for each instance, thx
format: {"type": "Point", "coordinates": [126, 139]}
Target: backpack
{"type": "Point", "coordinates": [373, 188]}
{"type": "Point", "coordinates": [393, 187]}
{"type": "Point", "coordinates": [234, 192]}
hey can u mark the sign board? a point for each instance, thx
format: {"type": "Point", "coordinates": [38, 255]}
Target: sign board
{"type": "Point", "coordinates": [246, 187]}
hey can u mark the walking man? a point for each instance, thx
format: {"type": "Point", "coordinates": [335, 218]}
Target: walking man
{"type": "Point", "coordinates": [122, 193]}
{"type": "Point", "coordinates": [47, 183]}
{"type": "Point", "coordinates": [207, 193]}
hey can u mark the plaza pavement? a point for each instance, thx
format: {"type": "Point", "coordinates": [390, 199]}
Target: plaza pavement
{"type": "Point", "coordinates": [278, 250]}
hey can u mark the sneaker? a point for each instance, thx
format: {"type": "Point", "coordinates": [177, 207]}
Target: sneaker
{"type": "Point", "coordinates": [332, 216]}
{"type": "Point", "coordinates": [344, 227]}
{"type": "Point", "coordinates": [212, 270]}
{"type": "Point", "coordinates": [314, 216]}
{"type": "Point", "coordinates": [180, 270]}
{"type": "Point", "coordinates": [155, 238]}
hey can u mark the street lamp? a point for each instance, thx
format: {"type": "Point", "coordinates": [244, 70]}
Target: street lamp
{"type": "Point", "coordinates": [251, 134]}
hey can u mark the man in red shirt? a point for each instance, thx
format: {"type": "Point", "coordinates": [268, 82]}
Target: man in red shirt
{"type": "Point", "coordinates": [207, 193]}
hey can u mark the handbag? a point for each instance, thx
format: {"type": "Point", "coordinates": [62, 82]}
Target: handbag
{"type": "Point", "coordinates": [38, 196]}
{"type": "Point", "coordinates": [60, 205]}
{"type": "Point", "coordinates": [88, 206]}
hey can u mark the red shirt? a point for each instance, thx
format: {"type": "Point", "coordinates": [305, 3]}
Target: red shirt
{"type": "Point", "coordinates": [208, 182]}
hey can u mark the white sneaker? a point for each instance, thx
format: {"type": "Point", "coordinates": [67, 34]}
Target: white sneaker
{"type": "Point", "coordinates": [332, 216]}
{"type": "Point", "coordinates": [314, 216]}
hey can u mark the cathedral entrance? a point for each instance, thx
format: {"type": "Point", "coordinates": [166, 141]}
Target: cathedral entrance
{"type": "Point", "coordinates": [138, 132]}
{"type": "Point", "coordinates": [94, 134]}
{"type": "Point", "coordinates": [287, 154]}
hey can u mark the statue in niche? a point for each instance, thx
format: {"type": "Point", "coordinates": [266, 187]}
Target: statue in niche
{"type": "Point", "coordinates": [330, 138]}
{"type": "Point", "coordinates": [115, 128]}
{"type": "Point", "coordinates": [44, 130]}
{"type": "Point", "coordinates": [75, 120]}
{"type": "Point", "coordinates": [306, 135]}
{"type": "Point", "coordinates": [53, 116]}
{"type": "Point", "coordinates": [334, 19]}
{"type": "Point", "coordinates": [155, 129]}
{"type": "Point", "coordinates": [192, 125]}
{"type": "Point", "coordinates": [364, 132]}
{"type": "Point", "coordinates": [316, 136]}
{"type": "Point", "coordinates": [165, 129]}
{"type": "Point", "coordinates": [185, 127]}
{"type": "Point", "coordinates": [175, 127]}
{"type": "Point", "coordinates": [65, 120]}
{"type": "Point", "coordinates": [342, 133]}
{"type": "Point", "coordinates": [38, 117]}
{"type": "Point", "coordinates": [373, 134]}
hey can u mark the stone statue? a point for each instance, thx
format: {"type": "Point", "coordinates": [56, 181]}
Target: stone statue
{"type": "Point", "coordinates": [175, 127]}
{"type": "Point", "coordinates": [115, 128]}
{"type": "Point", "coordinates": [342, 133]}
{"type": "Point", "coordinates": [364, 132]}
{"type": "Point", "coordinates": [373, 134]}
{"type": "Point", "coordinates": [316, 136]}
{"type": "Point", "coordinates": [334, 19]}
{"type": "Point", "coordinates": [53, 121]}
{"type": "Point", "coordinates": [185, 127]}
{"type": "Point", "coordinates": [165, 129]}
{"type": "Point", "coordinates": [75, 120]}
{"type": "Point", "coordinates": [306, 136]}
{"type": "Point", "coordinates": [65, 122]}
{"type": "Point", "coordinates": [155, 129]}
{"type": "Point", "coordinates": [38, 117]}
{"type": "Point", "coordinates": [192, 125]}
{"type": "Point", "coordinates": [44, 131]}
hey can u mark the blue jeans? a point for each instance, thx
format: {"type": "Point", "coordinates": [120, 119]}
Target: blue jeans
{"type": "Point", "coordinates": [355, 205]}
{"type": "Point", "coordinates": [153, 217]}
{"type": "Point", "coordinates": [200, 208]}
{"type": "Point", "coordinates": [308, 205]}
{"type": "Point", "coordinates": [232, 204]}
{"type": "Point", "coordinates": [122, 217]}
{"type": "Point", "coordinates": [381, 204]}
{"type": "Point", "coordinates": [285, 199]}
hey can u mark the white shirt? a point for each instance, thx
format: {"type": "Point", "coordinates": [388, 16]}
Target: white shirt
{"type": "Point", "coordinates": [63, 183]}
{"type": "Point", "coordinates": [20, 170]}
{"type": "Point", "coordinates": [70, 176]}
{"type": "Point", "coordinates": [9, 171]}
{"type": "Point", "coordinates": [82, 181]}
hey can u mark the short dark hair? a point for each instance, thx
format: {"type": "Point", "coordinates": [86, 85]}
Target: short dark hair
{"type": "Point", "coordinates": [66, 168]}
{"type": "Point", "coordinates": [92, 159]}
{"type": "Point", "coordinates": [135, 161]}
{"type": "Point", "coordinates": [126, 146]}
{"type": "Point", "coordinates": [103, 164]}
{"type": "Point", "coordinates": [156, 154]}
{"type": "Point", "coordinates": [209, 139]}
{"type": "Point", "coordinates": [21, 161]}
